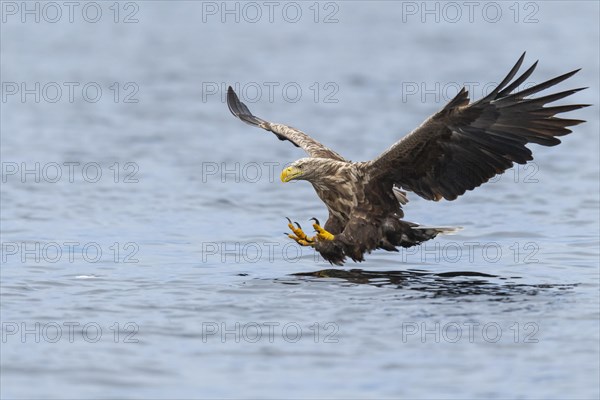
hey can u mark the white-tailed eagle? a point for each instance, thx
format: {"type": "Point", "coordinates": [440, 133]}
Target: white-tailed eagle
{"type": "Point", "coordinates": [455, 150]}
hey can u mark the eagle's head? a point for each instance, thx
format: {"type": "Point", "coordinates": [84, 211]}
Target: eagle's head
{"type": "Point", "coordinates": [310, 169]}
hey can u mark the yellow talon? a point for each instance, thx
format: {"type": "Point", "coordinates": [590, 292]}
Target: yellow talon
{"type": "Point", "coordinates": [302, 239]}
{"type": "Point", "coordinates": [322, 234]}
{"type": "Point", "coordinates": [297, 230]}
{"type": "Point", "coordinates": [298, 235]}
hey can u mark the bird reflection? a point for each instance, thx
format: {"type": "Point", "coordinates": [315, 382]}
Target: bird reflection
{"type": "Point", "coordinates": [430, 284]}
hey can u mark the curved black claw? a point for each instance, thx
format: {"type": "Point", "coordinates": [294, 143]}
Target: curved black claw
{"type": "Point", "coordinates": [316, 220]}
{"type": "Point", "coordinates": [298, 225]}
{"type": "Point", "coordinates": [289, 220]}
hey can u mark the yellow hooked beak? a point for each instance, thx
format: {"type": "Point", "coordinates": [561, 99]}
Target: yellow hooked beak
{"type": "Point", "coordinates": [290, 173]}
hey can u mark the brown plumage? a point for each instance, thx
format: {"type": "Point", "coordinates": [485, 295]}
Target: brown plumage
{"type": "Point", "coordinates": [455, 150]}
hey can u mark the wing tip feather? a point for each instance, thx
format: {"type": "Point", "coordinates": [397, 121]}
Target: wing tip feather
{"type": "Point", "coordinates": [241, 111]}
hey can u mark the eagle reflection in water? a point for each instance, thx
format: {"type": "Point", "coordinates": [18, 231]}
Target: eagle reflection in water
{"type": "Point", "coordinates": [422, 283]}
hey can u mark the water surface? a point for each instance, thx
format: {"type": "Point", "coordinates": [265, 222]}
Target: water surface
{"type": "Point", "coordinates": [197, 293]}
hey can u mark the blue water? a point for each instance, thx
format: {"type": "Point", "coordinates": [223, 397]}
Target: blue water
{"type": "Point", "coordinates": [143, 253]}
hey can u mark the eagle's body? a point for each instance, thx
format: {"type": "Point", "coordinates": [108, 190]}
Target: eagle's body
{"type": "Point", "coordinates": [340, 188]}
{"type": "Point", "coordinates": [455, 150]}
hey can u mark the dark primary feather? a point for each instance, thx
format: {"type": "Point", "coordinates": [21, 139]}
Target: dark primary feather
{"type": "Point", "coordinates": [283, 132]}
{"type": "Point", "coordinates": [464, 145]}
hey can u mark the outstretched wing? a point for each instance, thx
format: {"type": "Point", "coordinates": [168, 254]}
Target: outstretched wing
{"type": "Point", "coordinates": [283, 132]}
{"type": "Point", "coordinates": [464, 145]}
